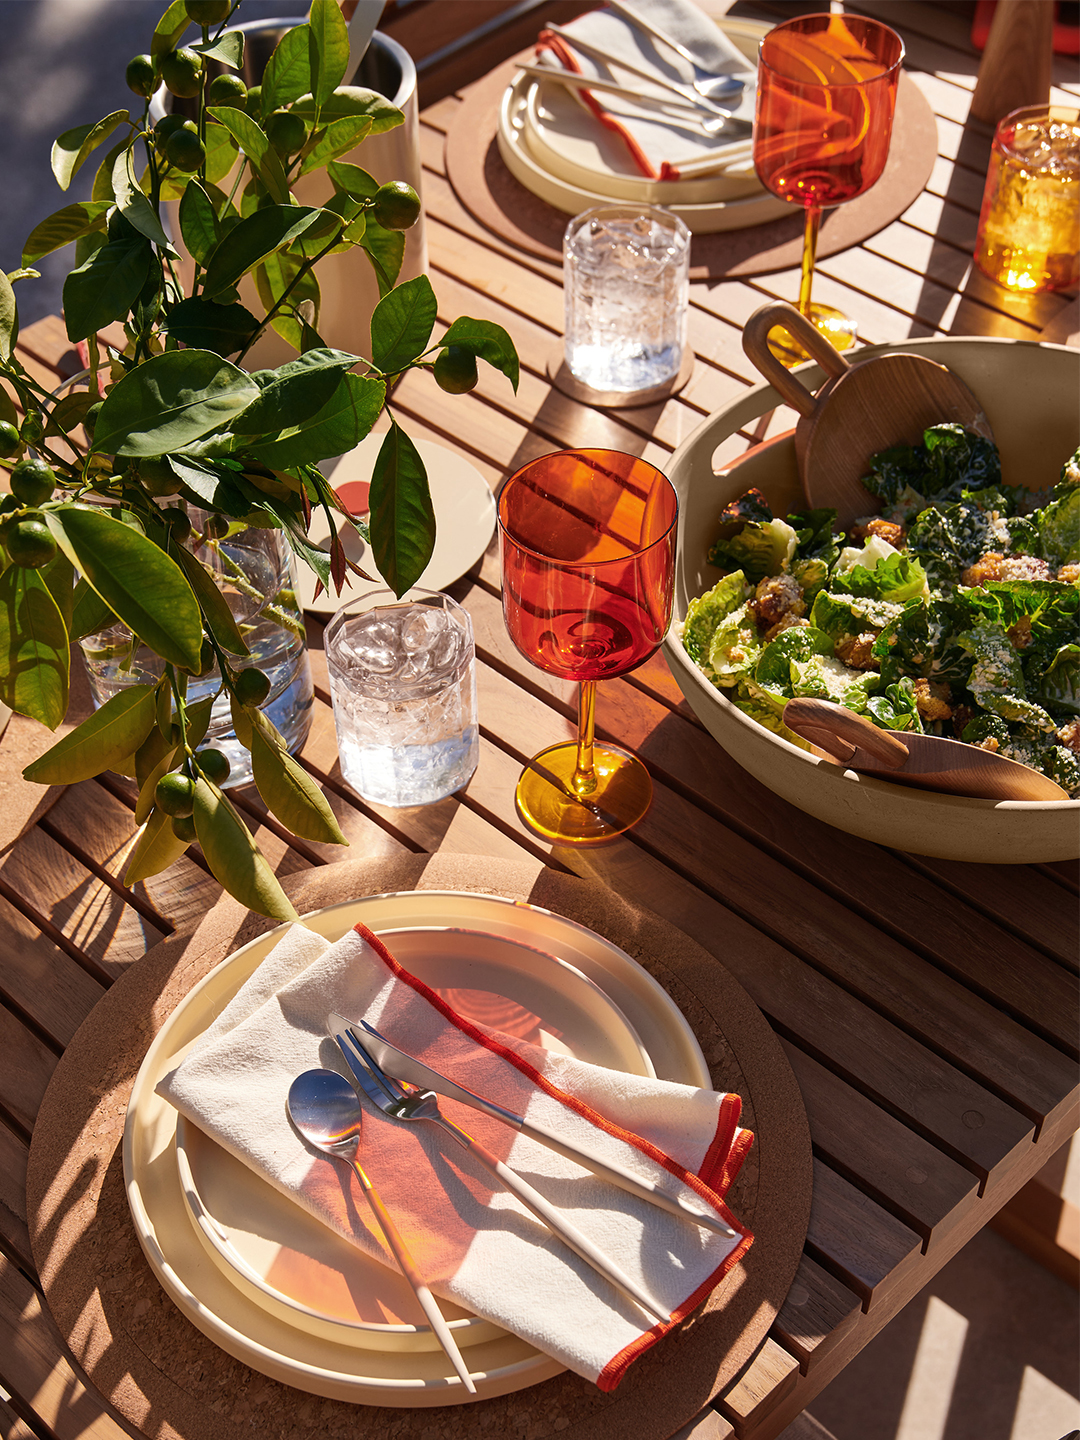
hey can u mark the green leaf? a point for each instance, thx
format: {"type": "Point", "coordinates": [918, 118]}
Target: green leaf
{"type": "Point", "coordinates": [252, 140]}
{"type": "Point", "coordinates": [106, 286]}
{"type": "Point", "coordinates": [215, 608]}
{"type": "Point", "coordinates": [338, 137]}
{"type": "Point", "coordinates": [199, 716]}
{"type": "Point", "coordinates": [72, 148]}
{"type": "Point", "coordinates": [105, 740]}
{"type": "Point", "coordinates": [156, 850]}
{"type": "Point", "coordinates": [64, 226]}
{"type": "Point", "coordinates": [288, 71]}
{"type": "Point", "coordinates": [69, 412]}
{"type": "Point", "coordinates": [9, 318]}
{"type": "Point", "coordinates": [7, 409]}
{"type": "Point", "coordinates": [402, 520]}
{"type": "Point", "coordinates": [386, 250]}
{"type": "Point", "coordinates": [234, 859]}
{"type": "Point", "coordinates": [170, 28]}
{"type": "Point", "coordinates": [102, 187]}
{"type": "Point", "coordinates": [134, 205]}
{"type": "Point", "coordinates": [241, 719]}
{"type": "Point", "coordinates": [352, 179]}
{"type": "Point", "coordinates": [252, 240]}
{"type": "Point", "coordinates": [336, 427]}
{"type": "Point", "coordinates": [329, 36]}
{"type": "Point", "coordinates": [228, 48]}
{"type": "Point", "coordinates": [59, 576]}
{"type": "Point", "coordinates": [206, 325]}
{"type": "Point", "coordinates": [169, 400]}
{"type": "Point", "coordinates": [154, 758]}
{"type": "Point", "coordinates": [289, 791]}
{"type": "Point", "coordinates": [294, 392]}
{"type": "Point", "coordinates": [488, 340]}
{"type": "Point", "coordinates": [34, 647]}
{"type": "Point", "coordinates": [198, 221]}
{"type": "Point", "coordinates": [209, 488]}
{"type": "Point", "coordinates": [351, 100]}
{"type": "Point", "coordinates": [401, 324]}
{"type": "Point", "coordinates": [24, 272]}
{"type": "Point", "coordinates": [89, 613]}
{"type": "Point", "coordinates": [273, 277]}
{"type": "Point", "coordinates": [138, 582]}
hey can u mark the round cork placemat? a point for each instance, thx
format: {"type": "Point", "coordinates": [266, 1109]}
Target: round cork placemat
{"type": "Point", "coordinates": [170, 1381]}
{"type": "Point", "coordinates": [503, 205]}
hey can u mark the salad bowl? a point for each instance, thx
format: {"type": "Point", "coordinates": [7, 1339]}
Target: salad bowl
{"type": "Point", "coordinates": [1028, 391]}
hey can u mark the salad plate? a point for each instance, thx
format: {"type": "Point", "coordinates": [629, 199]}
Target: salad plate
{"type": "Point", "coordinates": [504, 958]}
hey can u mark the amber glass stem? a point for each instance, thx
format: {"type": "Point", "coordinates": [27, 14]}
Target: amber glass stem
{"type": "Point", "coordinates": [809, 253]}
{"type": "Point", "coordinates": [584, 781]}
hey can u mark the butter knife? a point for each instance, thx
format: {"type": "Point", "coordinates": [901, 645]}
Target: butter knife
{"type": "Point", "coordinates": [406, 1067]}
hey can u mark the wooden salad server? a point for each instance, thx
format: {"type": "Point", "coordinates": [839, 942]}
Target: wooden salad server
{"type": "Point", "coordinates": [928, 762]}
{"type": "Point", "coordinates": [862, 408]}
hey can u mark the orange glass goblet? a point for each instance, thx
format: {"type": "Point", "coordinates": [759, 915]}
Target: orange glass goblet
{"type": "Point", "coordinates": [822, 125]}
{"type": "Point", "coordinates": [587, 539]}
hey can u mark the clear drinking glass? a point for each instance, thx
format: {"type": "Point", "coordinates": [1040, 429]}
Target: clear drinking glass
{"type": "Point", "coordinates": [403, 686]}
{"type": "Point", "coordinates": [626, 282]}
{"type": "Point", "coordinates": [1029, 228]}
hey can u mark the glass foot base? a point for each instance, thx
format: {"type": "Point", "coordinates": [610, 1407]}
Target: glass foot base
{"type": "Point", "coordinates": [548, 805]}
{"type": "Point", "coordinates": [833, 324]}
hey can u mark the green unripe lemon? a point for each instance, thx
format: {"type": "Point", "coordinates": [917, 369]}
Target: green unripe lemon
{"type": "Point", "coordinates": [140, 76]}
{"type": "Point", "coordinates": [397, 206]}
{"type": "Point", "coordinates": [184, 149]}
{"type": "Point", "coordinates": [166, 126]}
{"type": "Point", "coordinates": [9, 439]}
{"type": "Point", "coordinates": [179, 522]}
{"type": "Point", "coordinates": [216, 527]}
{"type": "Point", "coordinates": [208, 12]}
{"type": "Point", "coordinates": [251, 686]}
{"type": "Point", "coordinates": [182, 71]}
{"type": "Point", "coordinates": [183, 827]}
{"type": "Point", "coordinates": [228, 90]}
{"type": "Point", "coordinates": [455, 370]}
{"type": "Point", "coordinates": [214, 764]}
{"type": "Point", "coordinates": [253, 103]}
{"type": "Point", "coordinates": [90, 418]}
{"type": "Point", "coordinates": [158, 477]}
{"type": "Point", "coordinates": [285, 131]}
{"type": "Point", "coordinates": [175, 794]}
{"type": "Point", "coordinates": [29, 544]}
{"type": "Point", "coordinates": [33, 481]}
{"type": "Point", "coordinates": [32, 428]}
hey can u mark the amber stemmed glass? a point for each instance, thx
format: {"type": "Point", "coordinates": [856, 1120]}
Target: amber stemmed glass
{"type": "Point", "coordinates": [822, 125]}
{"type": "Point", "coordinates": [588, 553]}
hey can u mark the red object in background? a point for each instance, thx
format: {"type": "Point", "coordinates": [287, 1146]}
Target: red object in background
{"type": "Point", "coordinates": [1066, 26]}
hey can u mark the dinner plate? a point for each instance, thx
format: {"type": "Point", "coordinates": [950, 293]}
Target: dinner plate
{"type": "Point", "coordinates": [464, 519]}
{"type": "Point", "coordinates": [565, 138]}
{"type": "Point", "coordinates": [288, 1261]}
{"type": "Point", "coordinates": [293, 1352]}
{"type": "Point", "coordinates": [556, 149]}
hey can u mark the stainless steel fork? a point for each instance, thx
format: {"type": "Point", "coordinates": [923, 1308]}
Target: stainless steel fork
{"type": "Point", "coordinates": [404, 1101]}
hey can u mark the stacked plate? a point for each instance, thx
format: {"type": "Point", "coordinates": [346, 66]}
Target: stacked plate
{"type": "Point", "coordinates": [280, 1291]}
{"type": "Point", "coordinates": [557, 148]}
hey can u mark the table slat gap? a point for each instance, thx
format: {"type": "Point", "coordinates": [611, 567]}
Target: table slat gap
{"type": "Point", "coordinates": [104, 874]}
{"type": "Point", "coordinates": [56, 935]}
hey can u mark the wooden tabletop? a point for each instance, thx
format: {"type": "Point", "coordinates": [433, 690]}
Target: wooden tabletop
{"type": "Point", "coordinates": [928, 1008]}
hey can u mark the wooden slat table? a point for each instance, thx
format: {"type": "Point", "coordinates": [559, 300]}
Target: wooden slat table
{"type": "Point", "coordinates": [928, 1008]}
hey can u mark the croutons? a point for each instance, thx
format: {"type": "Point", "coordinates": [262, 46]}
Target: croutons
{"type": "Point", "coordinates": [932, 700]}
{"type": "Point", "coordinates": [775, 596]}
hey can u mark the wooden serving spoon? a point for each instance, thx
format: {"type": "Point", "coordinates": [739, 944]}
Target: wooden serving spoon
{"type": "Point", "coordinates": [862, 408]}
{"type": "Point", "coordinates": [928, 762]}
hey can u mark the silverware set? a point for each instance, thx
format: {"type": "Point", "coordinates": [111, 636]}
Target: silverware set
{"type": "Point", "coordinates": [325, 1110]}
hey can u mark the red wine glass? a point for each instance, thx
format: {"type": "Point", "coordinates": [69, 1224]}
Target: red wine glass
{"type": "Point", "coordinates": [822, 125]}
{"type": "Point", "coordinates": [588, 554]}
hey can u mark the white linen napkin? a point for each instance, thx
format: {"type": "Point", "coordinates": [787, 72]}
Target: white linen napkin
{"type": "Point", "coordinates": [663, 146]}
{"type": "Point", "coordinates": [473, 1241]}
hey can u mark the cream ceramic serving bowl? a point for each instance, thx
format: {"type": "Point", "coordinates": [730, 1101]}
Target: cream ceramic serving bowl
{"type": "Point", "coordinates": [1031, 395]}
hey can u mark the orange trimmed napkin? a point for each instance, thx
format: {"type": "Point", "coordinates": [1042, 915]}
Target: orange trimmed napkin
{"type": "Point", "coordinates": [474, 1242]}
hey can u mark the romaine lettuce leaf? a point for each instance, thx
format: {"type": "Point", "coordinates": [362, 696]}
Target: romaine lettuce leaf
{"type": "Point", "coordinates": [845, 617]}
{"type": "Point", "coordinates": [734, 648]}
{"type": "Point", "coordinates": [1059, 527]}
{"type": "Point", "coordinates": [1058, 686]}
{"type": "Point", "coordinates": [895, 709]}
{"type": "Point", "coordinates": [704, 614]}
{"type": "Point", "coordinates": [760, 548]}
{"type": "Point", "coordinates": [773, 671]}
{"type": "Point", "coordinates": [897, 578]}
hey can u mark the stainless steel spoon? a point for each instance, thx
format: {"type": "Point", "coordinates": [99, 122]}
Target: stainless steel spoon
{"type": "Point", "coordinates": [325, 1110]}
{"type": "Point", "coordinates": [716, 87]}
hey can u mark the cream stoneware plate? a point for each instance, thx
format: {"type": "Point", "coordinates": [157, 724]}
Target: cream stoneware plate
{"type": "Point", "coordinates": [701, 218]}
{"type": "Point", "coordinates": [293, 1352]}
{"type": "Point", "coordinates": [564, 138]}
{"type": "Point", "coordinates": [464, 518]}
{"type": "Point", "coordinates": [1028, 393]}
{"type": "Point", "coordinates": [282, 1257]}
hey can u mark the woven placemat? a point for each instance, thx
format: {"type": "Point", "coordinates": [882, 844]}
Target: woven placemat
{"type": "Point", "coordinates": [170, 1380]}
{"type": "Point", "coordinates": [503, 205]}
